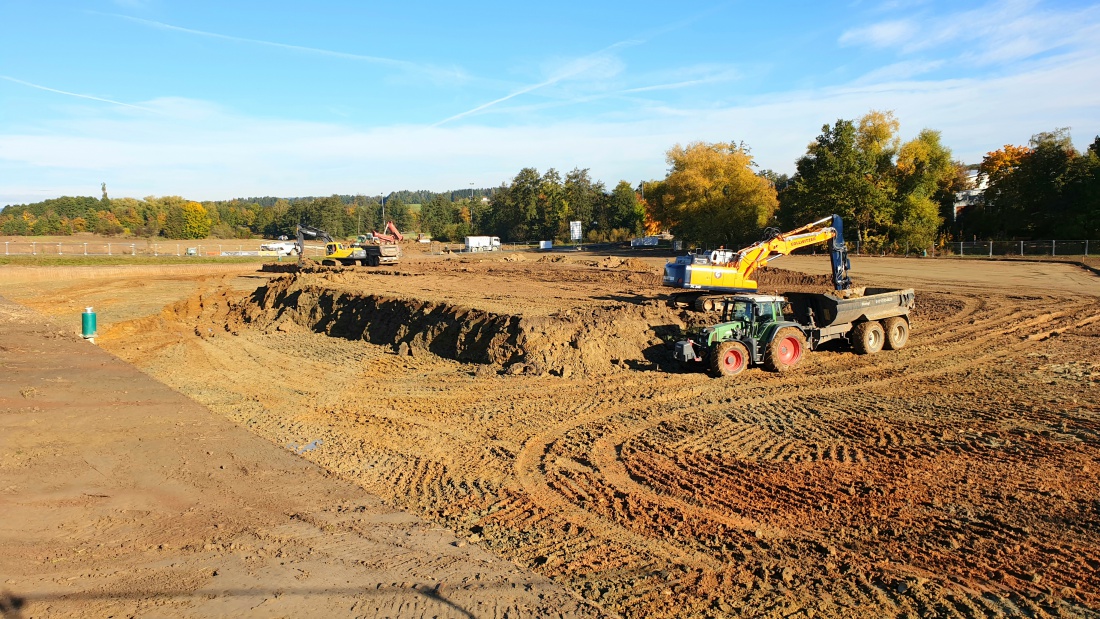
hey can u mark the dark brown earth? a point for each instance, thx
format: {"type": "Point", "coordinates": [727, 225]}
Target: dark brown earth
{"type": "Point", "coordinates": [530, 405]}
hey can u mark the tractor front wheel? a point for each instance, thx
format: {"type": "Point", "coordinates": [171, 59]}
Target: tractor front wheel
{"type": "Point", "coordinates": [729, 359]}
{"type": "Point", "coordinates": [786, 350]}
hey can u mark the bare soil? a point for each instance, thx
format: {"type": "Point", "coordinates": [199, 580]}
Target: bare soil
{"type": "Point", "coordinates": [529, 404]}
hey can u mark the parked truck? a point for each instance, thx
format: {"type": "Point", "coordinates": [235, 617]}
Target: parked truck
{"type": "Point", "coordinates": [482, 243]}
{"type": "Point", "coordinates": [776, 331]}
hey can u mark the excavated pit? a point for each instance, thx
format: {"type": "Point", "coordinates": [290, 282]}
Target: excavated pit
{"type": "Point", "coordinates": [583, 340]}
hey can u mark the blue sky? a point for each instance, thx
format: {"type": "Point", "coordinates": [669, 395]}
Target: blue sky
{"type": "Point", "coordinates": [216, 100]}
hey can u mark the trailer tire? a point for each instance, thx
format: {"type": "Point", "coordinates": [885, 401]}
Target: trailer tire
{"type": "Point", "coordinates": [729, 359]}
{"type": "Point", "coordinates": [867, 338]}
{"type": "Point", "coordinates": [786, 350]}
{"type": "Point", "coordinates": [897, 332]}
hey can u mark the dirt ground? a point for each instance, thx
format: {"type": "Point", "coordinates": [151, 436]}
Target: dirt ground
{"type": "Point", "coordinates": [528, 403]}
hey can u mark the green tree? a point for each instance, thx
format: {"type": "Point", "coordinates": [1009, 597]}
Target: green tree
{"type": "Point", "coordinates": [625, 213]}
{"type": "Point", "coordinates": [924, 171]}
{"type": "Point", "coordinates": [844, 172]}
{"type": "Point", "coordinates": [551, 207]}
{"type": "Point", "coordinates": [583, 200]}
{"type": "Point", "coordinates": [515, 207]}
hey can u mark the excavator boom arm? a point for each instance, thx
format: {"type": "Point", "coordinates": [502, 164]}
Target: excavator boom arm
{"type": "Point", "coordinates": [756, 256]}
{"type": "Point", "coordinates": [313, 233]}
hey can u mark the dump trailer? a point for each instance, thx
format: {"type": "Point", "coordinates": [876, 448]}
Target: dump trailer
{"type": "Point", "coordinates": [776, 331]}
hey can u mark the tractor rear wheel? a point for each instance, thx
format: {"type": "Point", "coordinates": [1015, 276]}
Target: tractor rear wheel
{"type": "Point", "coordinates": [729, 359]}
{"type": "Point", "coordinates": [786, 350]}
{"type": "Point", "coordinates": [867, 338]}
{"type": "Point", "coordinates": [897, 332]}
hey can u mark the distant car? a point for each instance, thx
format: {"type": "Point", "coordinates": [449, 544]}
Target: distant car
{"type": "Point", "coordinates": [284, 248]}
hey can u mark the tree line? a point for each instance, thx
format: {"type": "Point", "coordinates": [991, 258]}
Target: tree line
{"type": "Point", "coordinates": [894, 196]}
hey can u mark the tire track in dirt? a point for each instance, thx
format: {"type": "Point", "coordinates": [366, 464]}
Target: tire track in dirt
{"type": "Point", "coordinates": [576, 491]}
{"type": "Point", "coordinates": [604, 451]}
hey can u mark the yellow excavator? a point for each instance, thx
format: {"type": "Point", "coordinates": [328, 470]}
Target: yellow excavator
{"type": "Point", "coordinates": [707, 278]}
{"type": "Point", "coordinates": [356, 254]}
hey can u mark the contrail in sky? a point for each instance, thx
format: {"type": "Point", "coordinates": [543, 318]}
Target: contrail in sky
{"type": "Point", "coordinates": [578, 67]}
{"type": "Point", "coordinates": [390, 62]}
{"type": "Point", "coordinates": [586, 63]}
{"type": "Point", "coordinates": [74, 94]}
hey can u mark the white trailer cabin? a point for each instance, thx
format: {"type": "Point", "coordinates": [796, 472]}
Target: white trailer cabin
{"type": "Point", "coordinates": [482, 243]}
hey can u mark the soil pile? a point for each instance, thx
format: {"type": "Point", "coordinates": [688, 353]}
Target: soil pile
{"type": "Point", "coordinates": [781, 279]}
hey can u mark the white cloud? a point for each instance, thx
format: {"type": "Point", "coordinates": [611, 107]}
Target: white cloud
{"type": "Point", "coordinates": [997, 33]}
{"type": "Point", "coordinates": [203, 151]}
{"type": "Point", "coordinates": [901, 70]}
{"type": "Point", "coordinates": [881, 35]}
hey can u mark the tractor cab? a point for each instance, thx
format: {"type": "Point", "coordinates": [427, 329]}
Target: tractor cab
{"type": "Point", "coordinates": [745, 315]}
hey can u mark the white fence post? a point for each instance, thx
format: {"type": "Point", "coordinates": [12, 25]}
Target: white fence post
{"type": "Point", "coordinates": [59, 249]}
{"type": "Point", "coordinates": [85, 249]}
{"type": "Point", "coordinates": [33, 251]}
{"type": "Point", "coordinates": [133, 252]}
{"type": "Point", "coordinates": [1021, 248]}
{"type": "Point", "coordinates": [991, 249]}
{"type": "Point", "coordinates": [1052, 244]}
{"type": "Point", "coordinates": [108, 249]}
{"type": "Point", "coordinates": [5, 248]}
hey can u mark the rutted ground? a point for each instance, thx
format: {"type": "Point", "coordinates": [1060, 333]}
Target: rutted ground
{"type": "Point", "coordinates": [956, 477]}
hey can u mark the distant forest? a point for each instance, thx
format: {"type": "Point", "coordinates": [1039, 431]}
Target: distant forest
{"type": "Point", "coordinates": [179, 218]}
{"type": "Point", "coordinates": [534, 207]}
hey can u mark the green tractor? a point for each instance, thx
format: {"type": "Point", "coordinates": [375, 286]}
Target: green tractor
{"type": "Point", "coordinates": [753, 331]}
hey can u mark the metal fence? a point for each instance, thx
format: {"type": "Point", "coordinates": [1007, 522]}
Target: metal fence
{"type": "Point", "coordinates": [1025, 248]}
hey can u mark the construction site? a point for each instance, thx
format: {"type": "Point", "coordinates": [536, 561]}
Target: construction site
{"type": "Point", "coordinates": [527, 409]}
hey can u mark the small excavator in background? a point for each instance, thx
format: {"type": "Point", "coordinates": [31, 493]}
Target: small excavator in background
{"type": "Point", "coordinates": [363, 252]}
{"type": "Point", "coordinates": [708, 278]}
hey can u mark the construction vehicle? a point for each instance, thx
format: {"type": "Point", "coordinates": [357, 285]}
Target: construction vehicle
{"type": "Point", "coordinates": [355, 254]}
{"type": "Point", "coordinates": [755, 331]}
{"type": "Point", "coordinates": [726, 271]}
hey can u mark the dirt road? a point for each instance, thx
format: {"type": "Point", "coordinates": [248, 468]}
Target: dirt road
{"type": "Point", "coordinates": [529, 404]}
{"type": "Point", "coordinates": [122, 497]}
